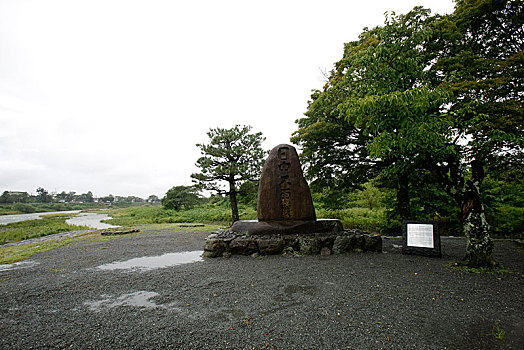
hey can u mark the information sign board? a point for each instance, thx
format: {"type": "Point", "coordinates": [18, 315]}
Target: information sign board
{"type": "Point", "coordinates": [420, 237]}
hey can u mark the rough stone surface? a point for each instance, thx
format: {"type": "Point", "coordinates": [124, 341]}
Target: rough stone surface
{"type": "Point", "coordinates": [283, 193]}
{"type": "Point", "coordinates": [325, 251]}
{"type": "Point", "coordinates": [271, 246]}
{"type": "Point", "coordinates": [284, 202]}
{"type": "Point", "coordinates": [214, 247]}
{"type": "Point", "coordinates": [243, 246]}
{"type": "Point", "coordinates": [254, 227]}
{"type": "Point", "coordinates": [309, 245]}
{"type": "Point", "coordinates": [341, 245]}
{"type": "Point", "coordinates": [372, 243]}
{"type": "Point", "coordinates": [343, 242]}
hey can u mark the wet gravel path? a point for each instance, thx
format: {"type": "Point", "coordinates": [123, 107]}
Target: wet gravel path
{"type": "Point", "coordinates": [360, 301]}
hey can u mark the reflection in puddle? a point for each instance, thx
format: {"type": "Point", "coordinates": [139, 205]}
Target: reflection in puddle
{"type": "Point", "coordinates": [139, 299]}
{"type": "Point", "coordinates": [155, 262]}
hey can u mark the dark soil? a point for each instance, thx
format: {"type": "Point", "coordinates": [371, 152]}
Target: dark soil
{"type": "Point", "coordinates": [356, 301]}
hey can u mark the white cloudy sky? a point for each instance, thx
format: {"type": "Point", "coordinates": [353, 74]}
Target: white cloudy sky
{"type": "Point", "coordinates": [110, 96]}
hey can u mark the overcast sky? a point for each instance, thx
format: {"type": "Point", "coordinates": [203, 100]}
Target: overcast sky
{"type": "Point", "coordinates": [111, 96]}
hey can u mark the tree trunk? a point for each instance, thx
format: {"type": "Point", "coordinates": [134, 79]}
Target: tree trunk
{"type": "Point", "coordinates": [403, 207]}
{"type": "Point", "coordinates": [233, 201]}
{"type": "Point", "coordinates": [479, 246]}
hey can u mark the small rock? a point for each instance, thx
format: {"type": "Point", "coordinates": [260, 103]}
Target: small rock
{"type": "Point", "coordinates": [288, 251]}
{"type": "Point", "coordinates": [214, 248]}
{"type": "Point", "coordinates": [243, 246]}
{"type": "Point", "coordinates": [123, 232]}
{"type": "Point", "coordinates": [360, 243]}
{"type": "Point", "coordinates": [309, 245]}
{"type": "Point", "coordinates": [271, 246]}
{"type": "Point", "coordinates": [325, 251]}
{"type": "Point", "coordinates": [341, 245]}
{"type": "Point", "coordinates": [372, 243]}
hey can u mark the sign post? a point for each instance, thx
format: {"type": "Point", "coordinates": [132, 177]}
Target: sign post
{"type": "Point", "coordinates": [421, 238]}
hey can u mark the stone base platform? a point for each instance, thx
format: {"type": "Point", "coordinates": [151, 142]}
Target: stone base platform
{"type": "Point", "coordinates": [225, 243]}
{"type": "Point", "coordinates": [255, 227]}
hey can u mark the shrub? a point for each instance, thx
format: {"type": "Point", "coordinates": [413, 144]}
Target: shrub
{"type": "Point", "coordinates": [24, 208]}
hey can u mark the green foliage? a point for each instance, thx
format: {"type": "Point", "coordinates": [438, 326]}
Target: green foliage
{"type": "Point", "coordinates": [12, 254]}
{"type": "Point", "coordinates": [370, 196]}
{"type": "Point", "coordinates": [503, 191]}
{"type": "Point", "coordinates": [157, 215]}
{"type": "Point", "coordinates": [498, 270]}
{"type": "Point", "coordinates": [87, 197]}
{"type": "Point", "coordinates": [14, 197]}
{"type": "Point", "coordinates": [425, 93]}
{"type": "Point", "coordinates": [24, 208]}
{"type": "Point", "coordinates": [22, 230]}
{"type": "Point", "coordinates": [332, 198]}
{"type": "Point", "coordinates": [497, 332]}
{"type": "Point", "coordinates": [248, 194]}
{"type": "Point", "coordinates": [507, 222]}
{"type": "Point", "coordinates": [334, 151]}
{"type": "Point", "coordinates": [43, 196]}
{"type": "Point", "coordinates": [181, 196]}
{"type": "Point", "coordinates": [232, 157]}
{"type": "Point", "coordinates": [371, 220]}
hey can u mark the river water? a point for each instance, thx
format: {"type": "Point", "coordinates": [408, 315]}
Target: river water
{"type": "Point", "coordinates": [92, 220]}
{"type": "Point", "coordinates": [7, 219]}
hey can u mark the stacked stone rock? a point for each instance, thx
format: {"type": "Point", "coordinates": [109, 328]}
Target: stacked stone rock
{"type": "Point", "coordinates": [286, 218]}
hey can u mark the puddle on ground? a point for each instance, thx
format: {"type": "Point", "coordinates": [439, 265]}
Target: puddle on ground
{"type": "Point", "coordinates": [18, 265]}
{"type": "Point", "coordinates": [148, 263]}
{"type": "Point", "coordinates": [138, 299]}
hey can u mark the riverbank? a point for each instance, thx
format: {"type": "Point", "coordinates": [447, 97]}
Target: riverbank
{"type": "Point", "coordinates": [62, 298]}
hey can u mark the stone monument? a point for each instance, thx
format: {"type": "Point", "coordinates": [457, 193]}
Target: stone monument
{"type": "Point", "coordinates": [284, 199]}
{"type": "Point", "coordinates": [287, 221]}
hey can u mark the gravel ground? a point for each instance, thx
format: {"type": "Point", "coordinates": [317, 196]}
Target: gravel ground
{"type": "Point", "coordinates": [360, 301]}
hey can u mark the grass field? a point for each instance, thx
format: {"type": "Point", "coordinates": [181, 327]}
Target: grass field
{"type": "Point", "coordinates": [158, 215]}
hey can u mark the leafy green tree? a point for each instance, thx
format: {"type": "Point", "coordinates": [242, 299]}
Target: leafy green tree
{"type": "Point", "coordinates": [464, 111]}
{"type": "Point", "coordinates": [503, 193]}
{"type": "Point", "coordinates": [232, 157]}
{"type": "Point", "coordinates": [334, 151]}
{"type": "Point", "coordinates": [385, 61]}
{"type": "Point", "coordinates": [153, 199]}
{"type": "Point", "coordinates": [442, 94]}
{"type": "Point", "coordinates": [108, 199]}
{"type": "Point", "coordinates": [61, 196]}
{"type": "Point", "coordinates": [481, 65]}
{"type": "Point", "coordinates": [248, 193]}
{"type": "Point", "coordinates": [181, 196]}
{"type": "Point", "coordinates": [87, 197]}
{"type": "Point", "coordinates": [68, 197]}
{"type": "Point", "coordinates": [43, 196]}
{"type": "Point", "coordinates": [4, 198]}
{"type": "Point", "coordinates": [370, 196]}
